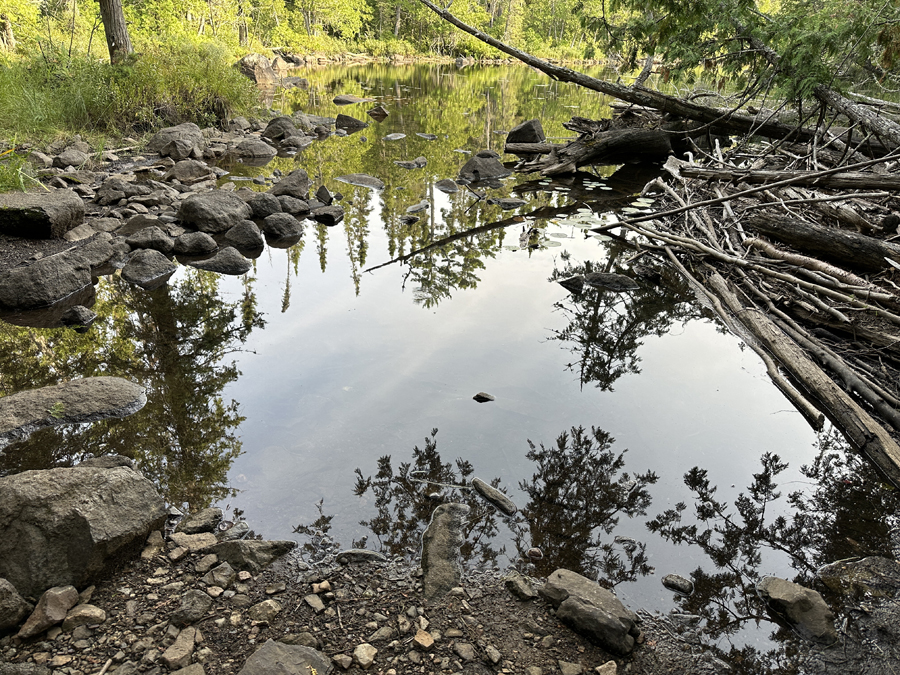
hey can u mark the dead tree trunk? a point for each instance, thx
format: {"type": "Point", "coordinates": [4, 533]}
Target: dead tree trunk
{"type": "Point", "coordinates": [117, 38]}
{"type": "Point", "coordinates": [855, 250]}
{"type": "Point", "coordinates": [836, 181]}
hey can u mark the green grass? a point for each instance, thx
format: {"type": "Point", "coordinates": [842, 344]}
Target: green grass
{"type": "Point", "coordinates": [15, 171]}
{"type": "Point", "coordinates": [53, 94]}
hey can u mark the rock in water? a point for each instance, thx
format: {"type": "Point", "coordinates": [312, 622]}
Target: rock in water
{"type": "Point", "coordinates": [277, 658]}
{"type": "Point", "coordinates": [64, 526]}
{"type": "Point", "coordinates": [803, 608]}
{"type": "Point", "coordinates": [362, 180]}
{"type": "Point", "coordinates": [494, 497]}
{"type": "Point", "coordinates": [482, 397]}
{"type": "Point", "coordinates": [441, 542]}
{"type": "Point", "coordinates": [77, 401]}
{"type": "Point", "coordinates": [678, 584]}
{"type": "Point", "coordinates": [226, 261]}
{"type": "Point", "coordinates": [608, 281]}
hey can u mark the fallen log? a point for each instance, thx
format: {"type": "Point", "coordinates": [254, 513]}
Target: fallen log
{"type": "Point", "coordinates": [836, 181]}
{"type": "Point", "coordinates": [860, 428]}
{"type": "Point", "coordinates": [850, 248]}
{"type": "Point", "coordinates": [616, 146]}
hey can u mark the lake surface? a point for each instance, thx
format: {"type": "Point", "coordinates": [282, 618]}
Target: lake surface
{"type": "Point", "coordinates": [318, 398]}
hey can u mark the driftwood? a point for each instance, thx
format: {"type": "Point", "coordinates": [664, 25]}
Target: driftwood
{"type": "Point", "coordinates": [837, 181]}
{"type": "Point", "coordinates": [859, 427]}
{"type": "Point", "coordinates": [850, 248]}
{"type": "Point", "coordinates": [616, 146]}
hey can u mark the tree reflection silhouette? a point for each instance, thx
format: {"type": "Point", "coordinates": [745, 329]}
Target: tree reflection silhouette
{"type": "Point", "coordinates": [174, 341]}
{"type": "Point", "coordinates": [605, 329]}
{"type": "Point", "coordinates": [847, 512]}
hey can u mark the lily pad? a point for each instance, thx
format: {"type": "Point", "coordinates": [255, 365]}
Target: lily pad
{"type": "Point", "coordinates": [549, 243]}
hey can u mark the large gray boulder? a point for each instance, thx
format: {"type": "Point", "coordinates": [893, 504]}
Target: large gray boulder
{"type": "Point", "coordinates": [258, 68]}
{"type": "Point", "coordinates": [441, 542]}
{"type": "Point", "coordinates": [530, 131]}
{"type": "Point", "coordinates": [64, 526]}
{"type": "Point", "coordinates": [277, 658]}
{"type": "Point", "coordinates": [279, 128]}
{"type": "Point", "coordinates": [592, 610]}
{"type": "Point", "coordinates": [244, 236]}
{"type": "Point", "coordinates": [214, 211]}
{"type": "Point", "coordinates": [188, 131]}
{"type": "Point", "coordinates": [280, 225]}
{"type": "Point", "coordinates": [73, 402]}
{"type": "Point", "coordinates": [295, 184]}
{"type": "Point", "coordinates": [40, 215]}
{"type": "Point", "coordinates": [152, 237]}
{"type": "Point", "coordinates": [53, 278]}
{"type": "Point", "coordinates": [252, 148]}
{"type": "Point", "coordinates": [801, 607]}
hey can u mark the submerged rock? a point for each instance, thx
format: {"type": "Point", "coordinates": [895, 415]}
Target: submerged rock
{"type": "Point", "coordinates": [447, 185]}
{"type": "Point", "coordinates": [347, 99]}
{"type": "Point", "coordinates": [148, 269]}
{"type": "Point", "coordinates": [802, 608]}
{"type": "Point", "coordinates": [348, 123]}
{"type": "Point", "coordinates": [76, 401]}
{"type": "Point", "coordinates": [226, 261]}
{"type": "Point", "coordinates": [530, 131]}
{"type": "Point", "coordinates": [363, 180]}
{"type": "Point", "coordinates": [678, 584]}
{"type": "Point", "coordinates": [610, 282]}
{"type": "Point", "coordinates": [213, 211]}
{"type": "Point", "coordinates": [482, 168]}
{"type": "Point", "coordinates": [295, 184]}
{"type": "Point", "coordinates": [441, 542]}
{"type": "Point", "coordinates": [494, 497]}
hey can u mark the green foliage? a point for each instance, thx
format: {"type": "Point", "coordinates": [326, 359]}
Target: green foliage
{"type": "Point", "coordinates": [15, 172]}
{"type": "Point", "coordinates": [52, 93]}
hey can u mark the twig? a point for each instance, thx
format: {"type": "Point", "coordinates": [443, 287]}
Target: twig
{"type": "Point", "coordinates": [105, 667]}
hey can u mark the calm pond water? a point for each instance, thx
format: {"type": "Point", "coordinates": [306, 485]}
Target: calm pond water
{"type": "Point", "coordinates": [306, 395]}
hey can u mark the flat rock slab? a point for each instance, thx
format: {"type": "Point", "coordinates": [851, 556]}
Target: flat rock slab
{"type": "Point", "coordinates": [85, 400]}
{"type": "Point", "coordinates": [494, 497]}
{"type": "Point", "coordinates": [277, 658]}
{"type": "Point", "coordinates": [40, 215]}
{"type": "Point", "coordinates": [252, 555]}
{"type": "Point", "coordinates": [362, 180]}
{"type": "Point", "coordinates": [803, 608]}
{"type": "Point", "coordinates": [441, 542]}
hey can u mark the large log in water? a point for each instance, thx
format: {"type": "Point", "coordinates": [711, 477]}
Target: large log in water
{"type": "Point", "coordinates": [594, 147]}
{"type": "Point", "coordinates": [838, 181]}
{"type": "Point", "coordinates": [850, 248]}
{"type": "Point", "coordinates": [860, 428]}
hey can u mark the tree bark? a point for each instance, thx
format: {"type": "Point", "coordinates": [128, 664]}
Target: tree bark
{"type": "Point", "coordinates": [836, 181]}
{"type": "Point", "coordinates": [7, 39]}
{"type": "Point", "coordinates": [852, 249]}
{"type": "Point", "coordinates": [617, 146]}
{"type": "Point", "coordinates": [117, 38]}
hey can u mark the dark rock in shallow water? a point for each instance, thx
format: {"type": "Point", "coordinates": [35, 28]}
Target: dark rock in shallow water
{"type": "Point", "coordinates": [447, 185]}
{"type": "Point", "coordinates": [78, 317]}
{"type": "Point", "coordinates": [292, 205]}
{"type": "Point", "coordinates": [295, 184]}
{"type": "Point", "coordinates": [244, 236]}
{"type": "Point", "coordinates": [678, 584]}
{"type": "Point", "coordinates": [379, 113]}
{"type": "Point", "coordinates": [409, 220]}
{"type": "Point", "coordinates": [226, 261]}
{"type": "Point", "coordinates": [416, 208]}
{"type": "Point", "coordinates": [148, 269]}
{"type": "Point", "coordinates": [279, 128]}
{"type": "Point", "coordinates": [195, 243]}
{"type": "Point", "coordinates": [277, 658]}
{"type": "Point", "coordinates": [610, 282]}
{"type": "Point", "coordinates": [873, 576]}
{"type": "Point", "coordinates": [527, 132]}
{"type": "Point", "coordinates": [481, 168]}
{"type": "Point", "coordinates": [362, 180]}
{"type": "Point", "coordinates": [494, 497]}
{"type": "Point", "coordinates": [348, 123]}
{"type": "Point", "coordinates": [427, 137]}
{"type": "Point", "coordinates": [280, 225]}
{"type": "Point", "coordinates": [441, 542]}
{"type": "Point", "coordinates": [152, 237]}
{"type": "Point", "coordinates": [482, 397]}
{"type": "Point", "coordinates": [324, 196]}
{"type": "Point", "coordinates": [508, 203]}
{"type": "Point", "coordinates": [802, 608]}
{"type": "Point", "coordinates": [328, 215]}
{"type": "Point", "coordinates": [213, 211]}
{"type": "Point", "coordinates": [394, 137]}
{"type": "Point", "coordinates": [33, 215]}
{"type": "Point", "coordinates": [46, 516]}
{"type": "Point", "coordinates": [347, 99]}
{"type": "Point", "coordinates": [263, 204]}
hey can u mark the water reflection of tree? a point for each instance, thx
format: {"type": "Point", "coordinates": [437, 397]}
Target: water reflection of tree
{"type": "Point", "coordinates": [848, 512]}
{"type": "Point", "coordinates": [575, 499]}
{"type": "Point", "coordinates": [405, 499]}
{"type": "Point", "coordinates": [605, 329]}
{"type": "Point", "coordinates": [174, 341]}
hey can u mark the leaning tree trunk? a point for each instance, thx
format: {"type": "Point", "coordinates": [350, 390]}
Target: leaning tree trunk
{"type": "Point", "coordinates": [7, 39]}
{"type": "Point", "coordinates": [117, 39]}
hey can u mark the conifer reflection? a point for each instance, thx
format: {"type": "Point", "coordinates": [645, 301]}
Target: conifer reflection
{"type": "Point", "coordinates": [175, 341]}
